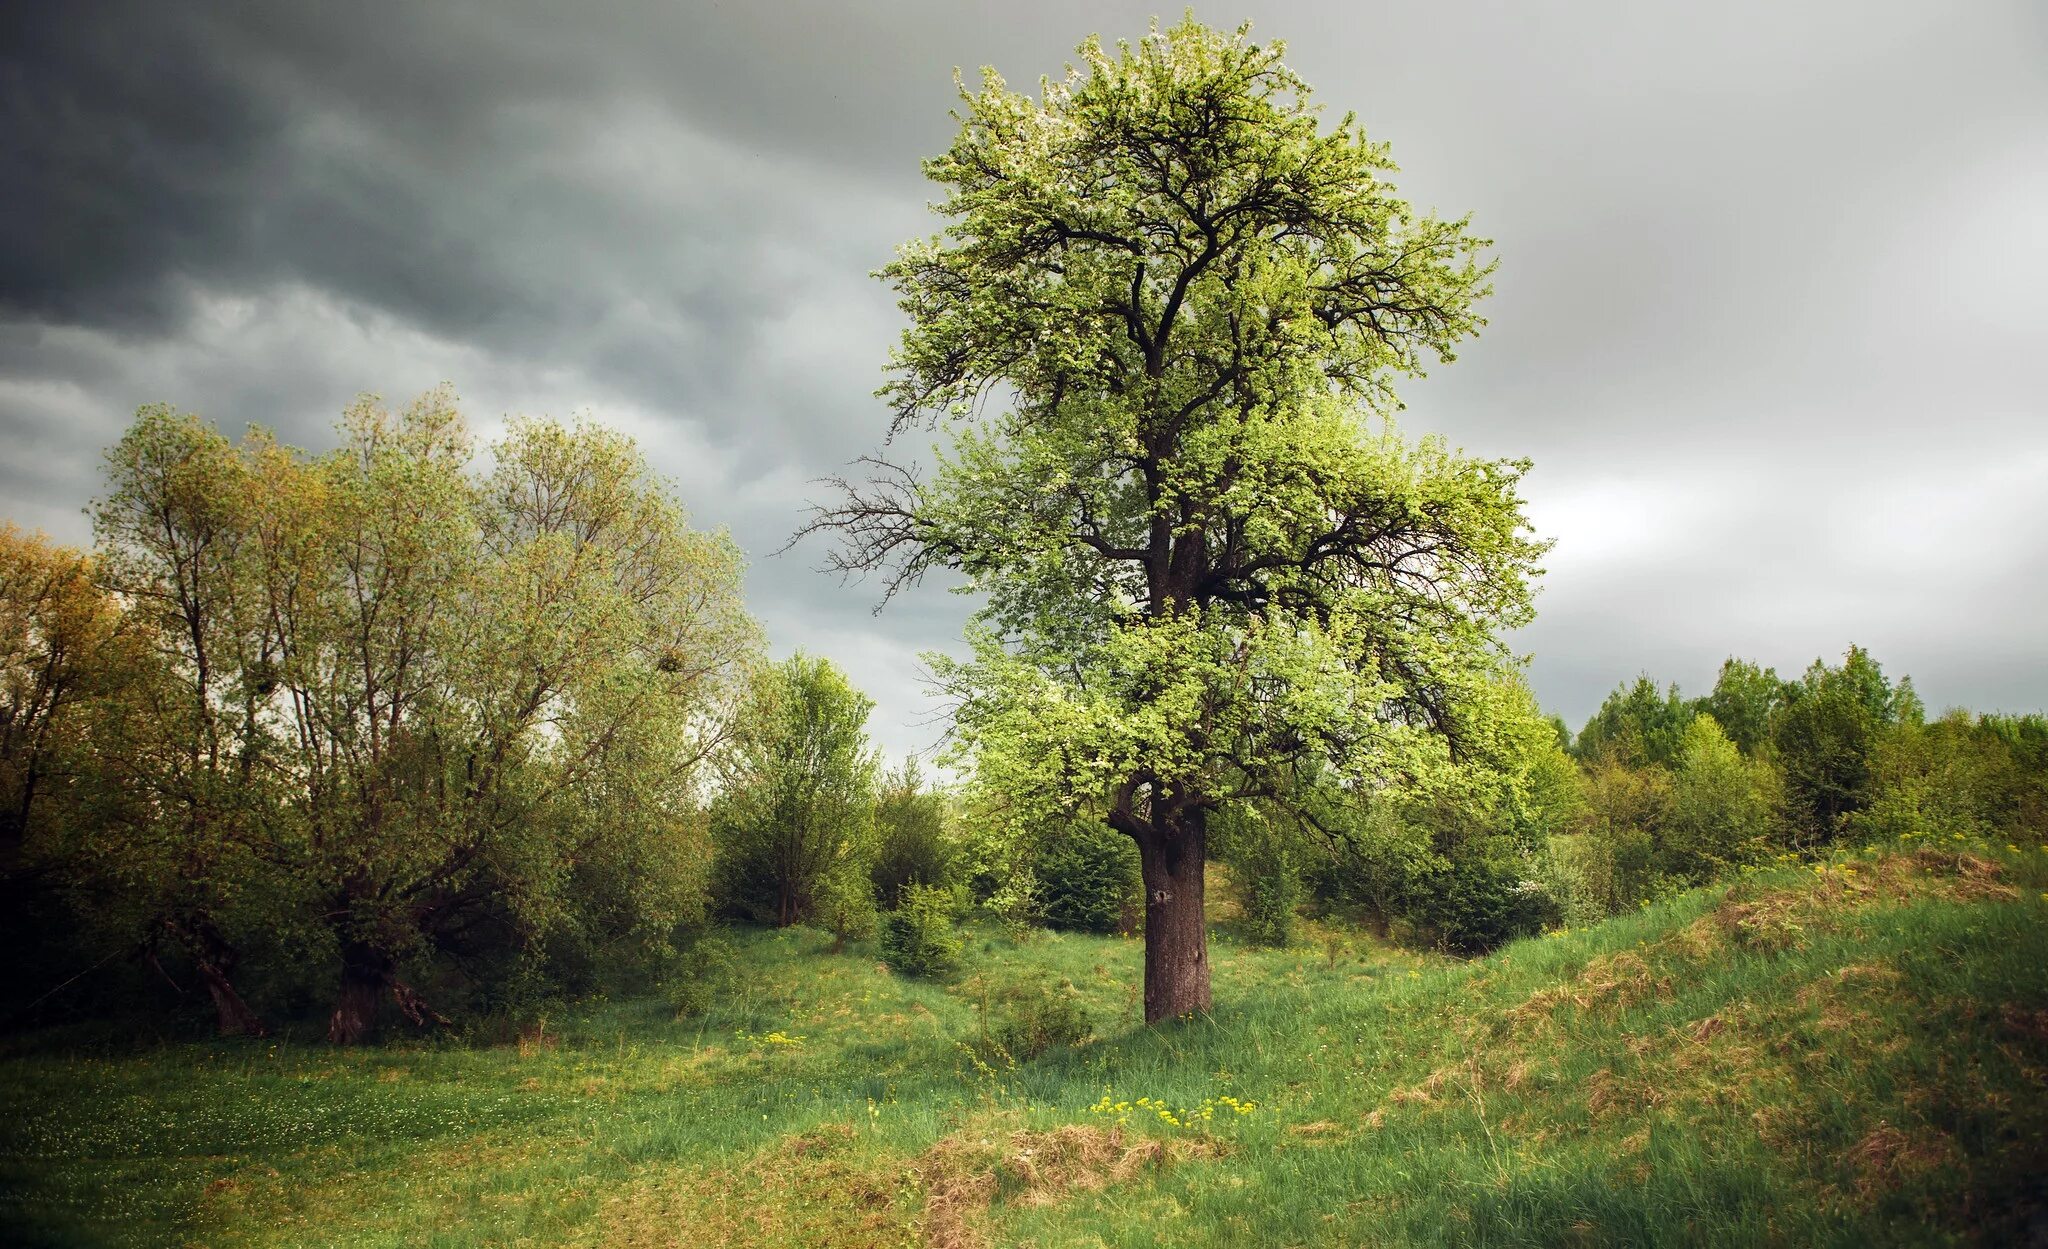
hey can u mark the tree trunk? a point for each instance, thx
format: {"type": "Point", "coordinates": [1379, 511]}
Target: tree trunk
{"type": "Point", "coordinates": [236, 1019]}
{"type": "Point", "coordinates": [365, 975]}
{"type": "Point", "coordinates": [215, 961]}
{"type": "Point", "coordinates": [1172, 858]}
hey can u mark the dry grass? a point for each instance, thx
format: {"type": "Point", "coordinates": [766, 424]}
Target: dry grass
{"type": "Point", "coordinates": [967, 1172]}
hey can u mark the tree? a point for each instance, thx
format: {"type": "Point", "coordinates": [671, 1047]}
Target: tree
{"type": "Point", "coordinates": [59, 637]}
{"type": "Point", "coordinates": [910, 835]}
{"type": "Point", "coordinates": [797, 808]}
{"type": "Point", "coordinates": [1721, 809]}
{"type": "Point", "coordinates": [1638, 725]}
{"type": "Point", "coordinates": [408, 704]}
{"type": "Point", "coordinates": [1162, 329]}
{"type": "Point", "coordinates": [1826, 735]}
{"type": "Point", "coordinates": [1744, 698]}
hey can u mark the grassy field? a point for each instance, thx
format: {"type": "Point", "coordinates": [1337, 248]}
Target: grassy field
{"type": "Point", "coordinates": [1848, 1055]}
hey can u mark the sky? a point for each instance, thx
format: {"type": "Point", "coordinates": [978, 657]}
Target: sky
{"type": "Point", "coordinates": [1769, 319]}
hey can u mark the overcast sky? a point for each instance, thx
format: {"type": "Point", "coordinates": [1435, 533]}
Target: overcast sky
{"type": "Point", "coordinates": [1771, 317]}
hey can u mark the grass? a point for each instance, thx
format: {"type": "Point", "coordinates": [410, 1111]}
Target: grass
{"type": "Point", "coordinates": [1852, 1055]}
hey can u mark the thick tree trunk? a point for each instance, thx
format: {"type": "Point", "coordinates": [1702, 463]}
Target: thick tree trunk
{"type": "Point", "coordinates": [1173, 858]}
{"type": "Point", "coordinates": [365, 976]}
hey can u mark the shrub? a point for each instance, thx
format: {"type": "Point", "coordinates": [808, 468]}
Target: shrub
{"type": "Point", "coordinates": [845, 905]}
{"type": "Point", "coordinates": [1373, 869]}
{"type": "Point", "coordinates": [910, 836]}
{"type": "Point", "coordinates": [1014, 904]}
{"type": "Point", "coordinates": [1025, 1021]}
{"type": "Point", "coordinates": [703, 974]}
{"type": "Point", "coordinates": [1474, 902]}
{"type": "Point", "coordinates": [1088, 880]}
{"type": "Point", "coordinates": [918, 937]}
{"type": "Point", "coordinates": [1263, 855]}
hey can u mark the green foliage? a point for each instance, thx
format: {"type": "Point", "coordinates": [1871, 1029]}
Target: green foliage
{"type": "Point", "coordinates": [1744, 698]}
{"type": "Point", "coordinates": [1265, 857]}
{"type": "Point", "coordinates": [1637, 725]}
{"type": "Point", "coordinates": [1826, 735]}
{"type": "Point", "coordinates": [845, 904]}
{"type": "Point", "coordinates": [1723, 808]}
{"type": "Point", "coordinates": [1086, 879]}
{"type": "Point", "coordinates": [1610, 865]}
{"type": "Point", "coordinates": [1477, 898]}
{"type": "Point", "coordinates": [1030, 1018]}
{"type": "Point", "coordinates": [1374, 866]}
{"type": "Point", "coordinates": [919, 937]}
{"type": "Point", "coordinates": [911, 843]}
{"type": "Point", "coordinates": [797, 807]}
{"type": "Point", "coordinates": [1956, 777]}
{"type": "Point", "coordinates": [702, 975]}
{"type": "Point", "coordinates": [400, 717]}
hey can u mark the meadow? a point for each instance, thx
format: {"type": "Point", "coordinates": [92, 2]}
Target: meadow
{"type": "Point", "coordinates": [1844, 1053]}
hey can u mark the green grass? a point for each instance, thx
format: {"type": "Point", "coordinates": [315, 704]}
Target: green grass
{"type": "Point", "coordinates": [1849, 1056]}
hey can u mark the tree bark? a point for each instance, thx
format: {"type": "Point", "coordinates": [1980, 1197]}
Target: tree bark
{"type": "Point", "coordinates": [365, 975]}
{"type": "Point", "coordinates": [234, 1015]}
{"type": "Point", "coordinates": [215, 961]}
{"type": "Point", "coordinates": [1173, 859]}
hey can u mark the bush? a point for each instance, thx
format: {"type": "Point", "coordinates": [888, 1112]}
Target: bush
{"type": "Point", "coordinates": [910, 836]}
{"type": "Point", "coordinates": [1263, 856]}
{"type": "Point", "coordinates": [1374, 869]}
{"type": "Point", "coordinates": [1088, 880]}
{"type": "Point", "coordinates": [1475, 902]}
{"type": "Point", "coordinates": [1014, 904]}
{"type": "Point", "coordinates": [918, 937]}
{"type": "Point", "coordinates": [1025, 1021]}
{"type": "Point", "coordinates": [845, 905]}
{"type": "Point", "coordinates": [703, 974]}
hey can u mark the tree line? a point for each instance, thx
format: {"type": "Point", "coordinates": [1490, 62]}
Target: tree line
{"type": "Point", "coordinates": [312, 722]}
{"type": "Point", "coordinates": [404, 732]}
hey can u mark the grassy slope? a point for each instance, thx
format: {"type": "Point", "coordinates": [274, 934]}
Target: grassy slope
{"type": "Point", "coordinates": [1854, 1055]}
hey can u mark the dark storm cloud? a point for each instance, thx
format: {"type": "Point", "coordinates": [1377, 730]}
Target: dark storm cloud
{"type": "Point", "coordinates": [1772, 276]}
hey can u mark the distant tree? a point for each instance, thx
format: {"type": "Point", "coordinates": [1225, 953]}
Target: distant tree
{"type": "Point", "coordinates": [1722, 809]}
{"type": "Point", "coordinates": [910, 835]}
{"type": "Point", "coordinates": [1826, 735]}
{"type": "Point", "coordinates": [1637, 724]}
{"type": "Point", "coordinates": [60, 638]}
{"type": "Point", "coordinates": [798, 804]}
{"type": "Point", "coordinates": [1160, 324]}
{"type": "Point", "coordinates": [1743, 700]}
{"type": "Point", "coordinates": [404, 703]}
{"type": "Point", "coordinates": [2023, 793]}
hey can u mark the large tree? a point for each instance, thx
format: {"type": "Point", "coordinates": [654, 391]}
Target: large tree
{"type": "Point", "coordinates": [406, 703]}
{"type": "Point", "coordinates": [1162, 330]}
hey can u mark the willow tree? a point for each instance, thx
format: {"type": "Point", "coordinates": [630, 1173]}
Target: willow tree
{"type": "Point", "coordinates": [1161, 331]}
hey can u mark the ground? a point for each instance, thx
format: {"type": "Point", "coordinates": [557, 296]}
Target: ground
{"type": "Point", "coordinates": [1853, 1054]}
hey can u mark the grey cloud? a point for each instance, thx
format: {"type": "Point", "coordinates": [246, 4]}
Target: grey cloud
{"type": "Point", "coordinates": [1770, 276]}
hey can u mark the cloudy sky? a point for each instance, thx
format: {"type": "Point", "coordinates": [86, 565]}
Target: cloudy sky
{"type": "Point", "coordinates": [1771, 314]}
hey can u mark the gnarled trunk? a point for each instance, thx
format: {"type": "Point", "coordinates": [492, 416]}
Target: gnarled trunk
{"type": "Point", "coordinates": [366, 974]}
{"type": "Point", "coordinates": [234, 1016]}
{"type": "Point", "coordinates": [1172, 858]}
{"type": "Point", "coordinates": [215, 960]}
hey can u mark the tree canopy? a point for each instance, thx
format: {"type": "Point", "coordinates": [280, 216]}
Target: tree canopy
{"type": "Point", "coordinates": [1162, 331]}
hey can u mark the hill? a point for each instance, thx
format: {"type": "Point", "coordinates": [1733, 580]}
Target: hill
{"type": "Point", "coordinates": [1849, 1053]}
